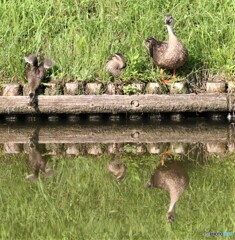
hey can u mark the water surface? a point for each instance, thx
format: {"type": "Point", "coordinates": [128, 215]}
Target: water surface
{"type": "Point", "coordinates": [116, 180]}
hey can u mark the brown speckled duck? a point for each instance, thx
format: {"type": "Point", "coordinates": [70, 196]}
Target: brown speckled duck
{"type": "Point", "coordinates": [116, 65]}
{"type": "Point", "coordinates": [171, 54]}
{"type": "Point", "coordinates": [173, 178]}
{"type": "Point", "coordinates": [35, 74]}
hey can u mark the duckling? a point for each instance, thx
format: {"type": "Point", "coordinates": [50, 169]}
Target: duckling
{"type": "Point", "coordinates": [171, 54]}
{"type": "Point", "coordinates": [35, 160]}
{"type": "Point", "coordinates": [116, 65]}
{"type": "Point", "coordinates": [35, 74]}
{"type": "Point", "coordinates": [173, 178]}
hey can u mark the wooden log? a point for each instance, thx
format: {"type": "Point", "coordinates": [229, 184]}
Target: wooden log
{"type": "Point", "coordinates": [215, 147]}
{"type": "Point", "coordinates": [178, 87]}
{"type": "Point", "coordinates": [12, 147]}
{"type": "Point", "coordinates": [212, 87]}
{"type": "Point", "coordinates": [153, 88]}
{"type": "Point", "coordinates": [12, 89]}
{"type": "Point", "coordinates": [110, 89]}
{"type": "Point", "coordinates": [93, 88]}
{"type": "Point", "coordinates": [111, 148]}
{"type": "Point", "coordinates": [94, 149]}
{"type": "Point", "coordinates": [119, 103]}
{"type": "Point", "coordinates": [72, 149]}
{"type": "Point", "coordinates": [53, 89]}
{"type": "Point", "coordinates": [178, 148]}
{"type": "Point", "coordinates": [157, 148]}
{"type": "Point", "coordinates": [204, 133]}
{"type": "Point", "coordinates": [72, 88]}
{"type": "Point", "coordinates": [231, 86]}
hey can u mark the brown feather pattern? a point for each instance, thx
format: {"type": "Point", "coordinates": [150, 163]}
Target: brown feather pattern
{"type": "Point", "coordinates": [35, 74]}
{"type": "Point", "coordinates": [116, 65]}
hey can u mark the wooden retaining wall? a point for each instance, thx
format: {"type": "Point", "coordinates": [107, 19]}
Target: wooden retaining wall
{"type": "Point", "coordinates": [205, 102]}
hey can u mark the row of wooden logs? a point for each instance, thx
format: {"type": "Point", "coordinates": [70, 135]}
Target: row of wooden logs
{"type": "Point", "coordinates": [67, 149]}
{"type": "Point", "coordinates": [79, 88]}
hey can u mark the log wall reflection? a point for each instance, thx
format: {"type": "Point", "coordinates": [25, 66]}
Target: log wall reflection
{"type": "Point", "coordinates": [99, 139]}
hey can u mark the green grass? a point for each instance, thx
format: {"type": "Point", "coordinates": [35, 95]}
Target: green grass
{"type": "Point", "coordinates": [79, 36]}
{"type": "Point", "coordinates": [82, 200]}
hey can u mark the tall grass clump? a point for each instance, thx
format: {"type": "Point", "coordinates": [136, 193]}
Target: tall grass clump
{"type": "Point", "coordinates": [81, 35]}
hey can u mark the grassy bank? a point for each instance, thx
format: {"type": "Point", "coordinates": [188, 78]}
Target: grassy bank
{"type": "Point", "coordinates": [82, 200]}
{"type": "Point", "coordinates": [81, 35]}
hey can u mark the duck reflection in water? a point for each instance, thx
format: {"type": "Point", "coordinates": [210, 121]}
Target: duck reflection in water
{"type": "Point", "coordinates": [173, 178]}
{"type": "Point", "coordinates": [36, 161]}
{"type": "Point", "coordinates": [116, 167]}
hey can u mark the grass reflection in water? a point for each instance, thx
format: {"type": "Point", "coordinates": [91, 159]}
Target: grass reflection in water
{"type": "Point", "coordinates": [83, 200]}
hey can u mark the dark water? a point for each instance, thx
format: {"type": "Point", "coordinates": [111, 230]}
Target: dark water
{"type": "Point", "coordinates": [152, 135]}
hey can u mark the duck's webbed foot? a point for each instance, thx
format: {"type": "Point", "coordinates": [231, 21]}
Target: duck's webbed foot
{"type": "Point", "coordinates": [164, 81]}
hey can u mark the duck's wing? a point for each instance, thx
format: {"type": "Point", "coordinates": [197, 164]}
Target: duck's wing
{"type": "Point", "coordinates": [161, 47]}
{"type": "Point", "coordinates": [158, 51]}
{"type": "Point", "coordinates": [34, 78]}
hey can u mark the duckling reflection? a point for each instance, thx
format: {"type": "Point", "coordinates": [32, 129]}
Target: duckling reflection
{"type": "Point", "coordinates": [35, 160]}
{"type": "Point", "coordinates": [35, 74]}
{"type": "Point", "coordinates": [173, 178]}
{"type": "Point", "coordinates": [116, 167]}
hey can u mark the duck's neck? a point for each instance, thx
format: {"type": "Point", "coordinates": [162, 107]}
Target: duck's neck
{"type": "Point", "coordinates": [171, 32]}
{"type": "Point", "coordinates": [174, 197]}
{"type": "Point", "coordinates": [172, 207]}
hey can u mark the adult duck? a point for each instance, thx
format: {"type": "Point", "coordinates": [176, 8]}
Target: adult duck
{"type": "Point", "coordinates": [171, 54]}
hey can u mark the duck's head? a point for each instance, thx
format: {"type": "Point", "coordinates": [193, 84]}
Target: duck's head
{"type": "Point", "coordinates": [169, 21]}
{"type": "Point", "coordinates": [32, 59]}
{"type": "Point", "coordinates": [170, 216]}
